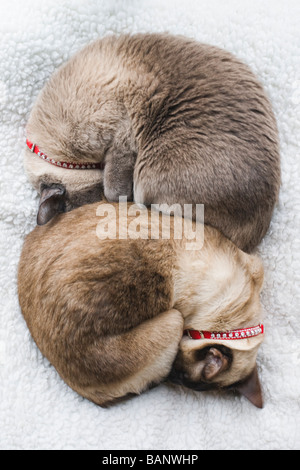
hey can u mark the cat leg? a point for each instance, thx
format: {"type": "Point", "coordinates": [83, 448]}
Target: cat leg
{"type": "Point", "coordinates": [141, 358]}
{"type": "Point", "coordinates": [118, 175]}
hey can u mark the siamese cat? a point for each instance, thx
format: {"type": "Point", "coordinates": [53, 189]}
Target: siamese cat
{"type": "Point", "coordinates": [107, 302]}
{"type": "Point", "coordinates": [167, 120]}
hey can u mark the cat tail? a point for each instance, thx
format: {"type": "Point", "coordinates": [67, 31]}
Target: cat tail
{"type": "Point", "coordinates": [138, 359]}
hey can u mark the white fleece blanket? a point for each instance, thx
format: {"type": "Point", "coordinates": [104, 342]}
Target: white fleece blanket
{"type": "Point", "coordinates": [37, 410]}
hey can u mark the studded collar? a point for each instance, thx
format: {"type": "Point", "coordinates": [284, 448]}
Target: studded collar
{"type": "Point", "coordinates": [67, 165]}
{"type": "Point", "coordinates": [244, 333]}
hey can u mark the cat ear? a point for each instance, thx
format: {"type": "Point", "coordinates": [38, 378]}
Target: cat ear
{"type": "Point", "coordinates": [52, 202]}
{"type": "Point", "coordinates": [251, 389]}
{"type": "Point", "coordinates": [214, 363]}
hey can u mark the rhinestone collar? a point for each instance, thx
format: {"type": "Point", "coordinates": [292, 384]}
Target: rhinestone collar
{"type": "Point", "coordinates": [243, 333]}
{"type": "Point", "coordinates": [67, 165]}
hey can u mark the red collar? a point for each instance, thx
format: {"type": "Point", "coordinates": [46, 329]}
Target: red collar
{"type": "Point", "coordinates": [67, 165]}
{"type": "Point", "coordinates": [243, 333]}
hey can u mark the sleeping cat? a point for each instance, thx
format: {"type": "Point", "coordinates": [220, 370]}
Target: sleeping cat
{"type": "Point", "coordinates": [170, 121]}
{"type": "Point", "coordinates": [109, 311]}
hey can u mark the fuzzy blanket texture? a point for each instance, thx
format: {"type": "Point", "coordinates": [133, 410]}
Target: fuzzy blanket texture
{"type": "Point", "coordinates": [37, 410]}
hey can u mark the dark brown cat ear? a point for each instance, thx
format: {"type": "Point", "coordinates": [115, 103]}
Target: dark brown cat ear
{"type": "Point", "coordinates": [251, 389]}
{"type": "Point", "coordinates": [215, 362]}
{"type": "Point", "coordinates": [52, 202]}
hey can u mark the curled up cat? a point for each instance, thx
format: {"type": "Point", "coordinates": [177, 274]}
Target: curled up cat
{"type": "Point", "coordinates": [107, 296]}
{"type": "Point", "coordinates": [160, 119]}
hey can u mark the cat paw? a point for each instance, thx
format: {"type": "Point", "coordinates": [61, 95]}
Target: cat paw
{"type": "Point", "coordinates": [111, 194]}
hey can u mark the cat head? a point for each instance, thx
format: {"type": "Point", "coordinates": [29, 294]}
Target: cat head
{"type": "Point", "coordinates": [224, 356]}
{"type": "Point", "coordinates": [73, 120]}
{"type": "Point", "coordinates": [56, 146]}
{"type": "Point", "coordinates": [61, 189]}
{"type": "Point", "coordinates": [206, 364]}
